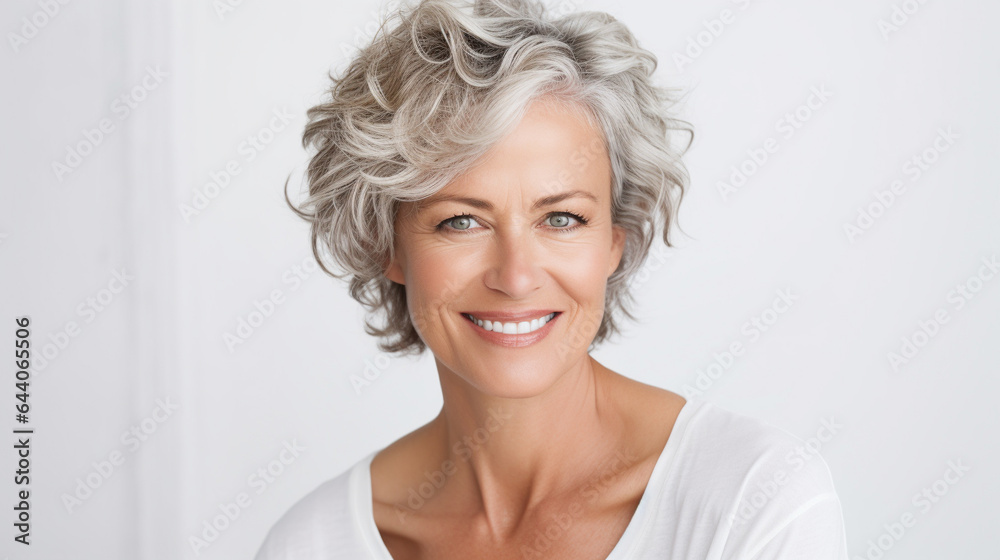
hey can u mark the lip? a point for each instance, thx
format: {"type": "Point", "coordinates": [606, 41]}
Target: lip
{"type": "Point", "coordinates": [514, 340]}
{"type": "Point", "coordinates": [511, 316]}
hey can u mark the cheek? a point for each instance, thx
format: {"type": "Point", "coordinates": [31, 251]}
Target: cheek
{"type": "Point", "coordinates": [581, 278]}
{"type": "Point", "coordinates": [581, 269]}
{"type": "Point", "coordinates": [442, 272]}
{"type": "Point", "coordinates": [433, 280]}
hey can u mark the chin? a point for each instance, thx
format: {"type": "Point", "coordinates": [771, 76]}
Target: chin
{"type": "Point", "coordinates": [511, 380]}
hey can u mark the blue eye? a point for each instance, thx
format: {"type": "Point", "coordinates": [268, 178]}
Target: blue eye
{"type": "Point", "coordinates": [460, 222]}
{"type": "Point", "coordinates": [558, 220]}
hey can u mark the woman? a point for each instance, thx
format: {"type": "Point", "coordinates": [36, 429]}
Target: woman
{"type": "Point", "coordinates": [491, 179]}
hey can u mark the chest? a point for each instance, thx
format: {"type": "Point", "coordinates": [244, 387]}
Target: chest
{"type": "Point", "coordinates": [577, 531]}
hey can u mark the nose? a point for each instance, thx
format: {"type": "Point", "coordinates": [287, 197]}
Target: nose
{"type": "Point", "coordinates": [514, 267]}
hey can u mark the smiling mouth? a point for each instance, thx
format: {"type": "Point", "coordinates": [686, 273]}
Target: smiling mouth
{"type": "Point", "coordinates": [512, 327]}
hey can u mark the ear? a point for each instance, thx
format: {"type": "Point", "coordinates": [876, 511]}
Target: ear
{"type": "Point", "coordinates": [394, 270]}
{"type": "Point", "coordinates": [617, 248]}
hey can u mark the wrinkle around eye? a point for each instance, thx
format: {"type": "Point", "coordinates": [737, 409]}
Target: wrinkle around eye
{"type": "Point", "coordinates": [580, 223]}
{"type": "Point", "coordinates": [443, 224]}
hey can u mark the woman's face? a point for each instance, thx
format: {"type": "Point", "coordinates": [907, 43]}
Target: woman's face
{"type": "Point", "coordinates": [526, 232]}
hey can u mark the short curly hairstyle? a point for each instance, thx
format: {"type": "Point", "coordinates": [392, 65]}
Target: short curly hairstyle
{"type": "Point", "coordinates": [427, 97]}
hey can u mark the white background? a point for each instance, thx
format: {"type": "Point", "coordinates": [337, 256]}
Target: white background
{"type": "Point", "coordinates": [63, 235]}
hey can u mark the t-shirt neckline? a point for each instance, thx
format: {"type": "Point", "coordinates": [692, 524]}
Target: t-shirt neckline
{"type": "Point", "coordinates": [360, 493]}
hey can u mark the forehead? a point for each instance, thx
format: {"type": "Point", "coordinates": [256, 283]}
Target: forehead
{"type": "Point", "coordinates": [554, 148]}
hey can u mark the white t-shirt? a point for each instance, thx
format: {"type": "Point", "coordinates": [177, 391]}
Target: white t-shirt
{"type": "Point", "coordinates": [725, 486]}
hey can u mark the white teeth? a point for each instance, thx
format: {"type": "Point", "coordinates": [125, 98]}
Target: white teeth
{"type": "Point", "coordinates": [521, 327]}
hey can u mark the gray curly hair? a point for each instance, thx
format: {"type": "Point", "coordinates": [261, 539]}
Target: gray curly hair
{"type": "Point", "coordinates": [427, 97]}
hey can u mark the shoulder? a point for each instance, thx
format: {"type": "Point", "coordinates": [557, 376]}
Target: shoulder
{"type": "Point", "coordinates": [766, 484]}
{"type": "Point", "coordinates": [742, 445]}
{"type": "Point", "coordinates": [650, 412]}
{"type": "Point", "coordinates": [746, 453]}
{"type": "Point", "coordinates": [318, 525]}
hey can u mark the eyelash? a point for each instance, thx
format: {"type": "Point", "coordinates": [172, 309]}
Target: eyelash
{"type": "Point", "coordinates": [583, 221]}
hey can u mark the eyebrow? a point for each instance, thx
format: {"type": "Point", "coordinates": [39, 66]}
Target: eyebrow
{"type": "Point", "coordinates": [487, 205]}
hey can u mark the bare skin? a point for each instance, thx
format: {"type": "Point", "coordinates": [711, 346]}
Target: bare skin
{"type": "Point", "coordinates": [597, 486]}
{"type": "Point", "coordinates": [539, 451]}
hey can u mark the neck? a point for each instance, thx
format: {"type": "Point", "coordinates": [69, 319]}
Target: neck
{"type": "Point", "coordinates": [512, 453]}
